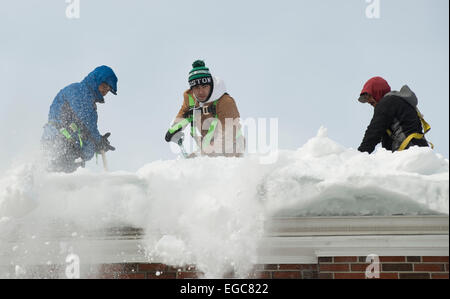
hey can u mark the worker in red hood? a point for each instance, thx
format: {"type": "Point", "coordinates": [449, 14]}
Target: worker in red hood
{"type": "Point", "coordinates": [396, 122]}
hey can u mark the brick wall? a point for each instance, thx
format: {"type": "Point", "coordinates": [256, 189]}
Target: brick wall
{"type": "Point", "coordinates": [398, 267]}
{"type": "Point", "coordinates": [161, 271]}
{"type": "Point", "coordinates": [351, 267]}
{"type": "Point", "coordinates": [391, 267]}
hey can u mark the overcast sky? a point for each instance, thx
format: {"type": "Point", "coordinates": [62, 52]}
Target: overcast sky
{"type": "Point", "coordinates": [301, 61]}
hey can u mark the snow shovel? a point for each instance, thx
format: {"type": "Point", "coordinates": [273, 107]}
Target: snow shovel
{"type": "Point", "coordinates": [180, 144]}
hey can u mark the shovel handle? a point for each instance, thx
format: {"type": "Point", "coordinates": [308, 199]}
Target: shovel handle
{"type": "Point", "coordinates": [105, 162]}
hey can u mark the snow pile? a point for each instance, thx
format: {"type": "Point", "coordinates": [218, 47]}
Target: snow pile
{"type": "Point", "coordinates": [324, 178]}
{"type": "Point", "coordinates": [210, 211]}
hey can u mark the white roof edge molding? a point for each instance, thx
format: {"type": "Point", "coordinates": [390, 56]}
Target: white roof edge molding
{"type": "Point", "coordinates": [315, 226]}
{"type": "Point", "coordinates": [292, 250]}
{"type": "Point", "coordinates": [305, 239]}
{"type": "Point", "coordinates": [360, 225]}
{"type": "Point", "coordinates": [299, 240]}
{"type": "Point", "coordinates": [302, 240]}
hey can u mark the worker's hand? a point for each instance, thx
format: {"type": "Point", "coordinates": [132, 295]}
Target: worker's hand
{"type": "Point", "coordinates": [175, 136]}
{"type": "Point", "coordinates": [105, 145]}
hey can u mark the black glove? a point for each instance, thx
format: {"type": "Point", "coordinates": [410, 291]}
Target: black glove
{"type": "Point", "coordinates": [105, 145]}
{"type": "Point", "coordinates": [176, 136]}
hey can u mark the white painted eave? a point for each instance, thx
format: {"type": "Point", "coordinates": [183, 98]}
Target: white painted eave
{"type": "Point", "coordinates": [361, 225]}
{"type": "Point", "coordinates": [287, 241]}
{"type": "Point", "coordinates": [303, 240]}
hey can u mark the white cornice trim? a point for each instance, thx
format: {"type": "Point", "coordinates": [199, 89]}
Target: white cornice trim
{"type": "Point", "coordinates": [287, 241]}
{"type": "Point", "coordinates": [296, 249]}
{"type": "Point", "coordinates": [341, 226]}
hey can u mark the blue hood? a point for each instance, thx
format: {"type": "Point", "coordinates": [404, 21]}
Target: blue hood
{"type": "Point", "coordinates": [98, 76]}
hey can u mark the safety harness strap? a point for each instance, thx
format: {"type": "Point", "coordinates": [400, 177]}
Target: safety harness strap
{"type": "Point", "coordinates": [408, 140]}
{"type": "Point", "coordinates": [212, 128]}
{"type": "Point", "coordinates": [426, 127]}
{"type": "Point", "coordinates": [190, 118]}
{"type": "Point", "coordinates": [65, 132]}
{"type": "Point", "coordinates": [191, 109]}
{"type": "Point", "coordinates": [211, 109]}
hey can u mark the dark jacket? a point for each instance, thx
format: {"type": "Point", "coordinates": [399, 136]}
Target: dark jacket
{"type": "Point", "coordinates": [396, 111]}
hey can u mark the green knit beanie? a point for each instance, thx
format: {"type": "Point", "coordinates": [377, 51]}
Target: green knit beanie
{"type": "Point", "coordinates": [200, 74]}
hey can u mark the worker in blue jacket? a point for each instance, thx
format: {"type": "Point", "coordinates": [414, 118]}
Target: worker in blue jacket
{"type": "Point", "coordinates": [71, 136]}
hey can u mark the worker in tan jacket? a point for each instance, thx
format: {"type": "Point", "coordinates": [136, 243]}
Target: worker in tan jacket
{"type": "Point", "coordinates": [212, 114]}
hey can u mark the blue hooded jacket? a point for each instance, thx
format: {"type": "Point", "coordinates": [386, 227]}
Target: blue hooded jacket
{"type": "Point", "coordinates": [77, 103]}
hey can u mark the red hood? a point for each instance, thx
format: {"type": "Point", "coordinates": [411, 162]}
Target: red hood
{"type": "Point", "coordinates": [377, 87]}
